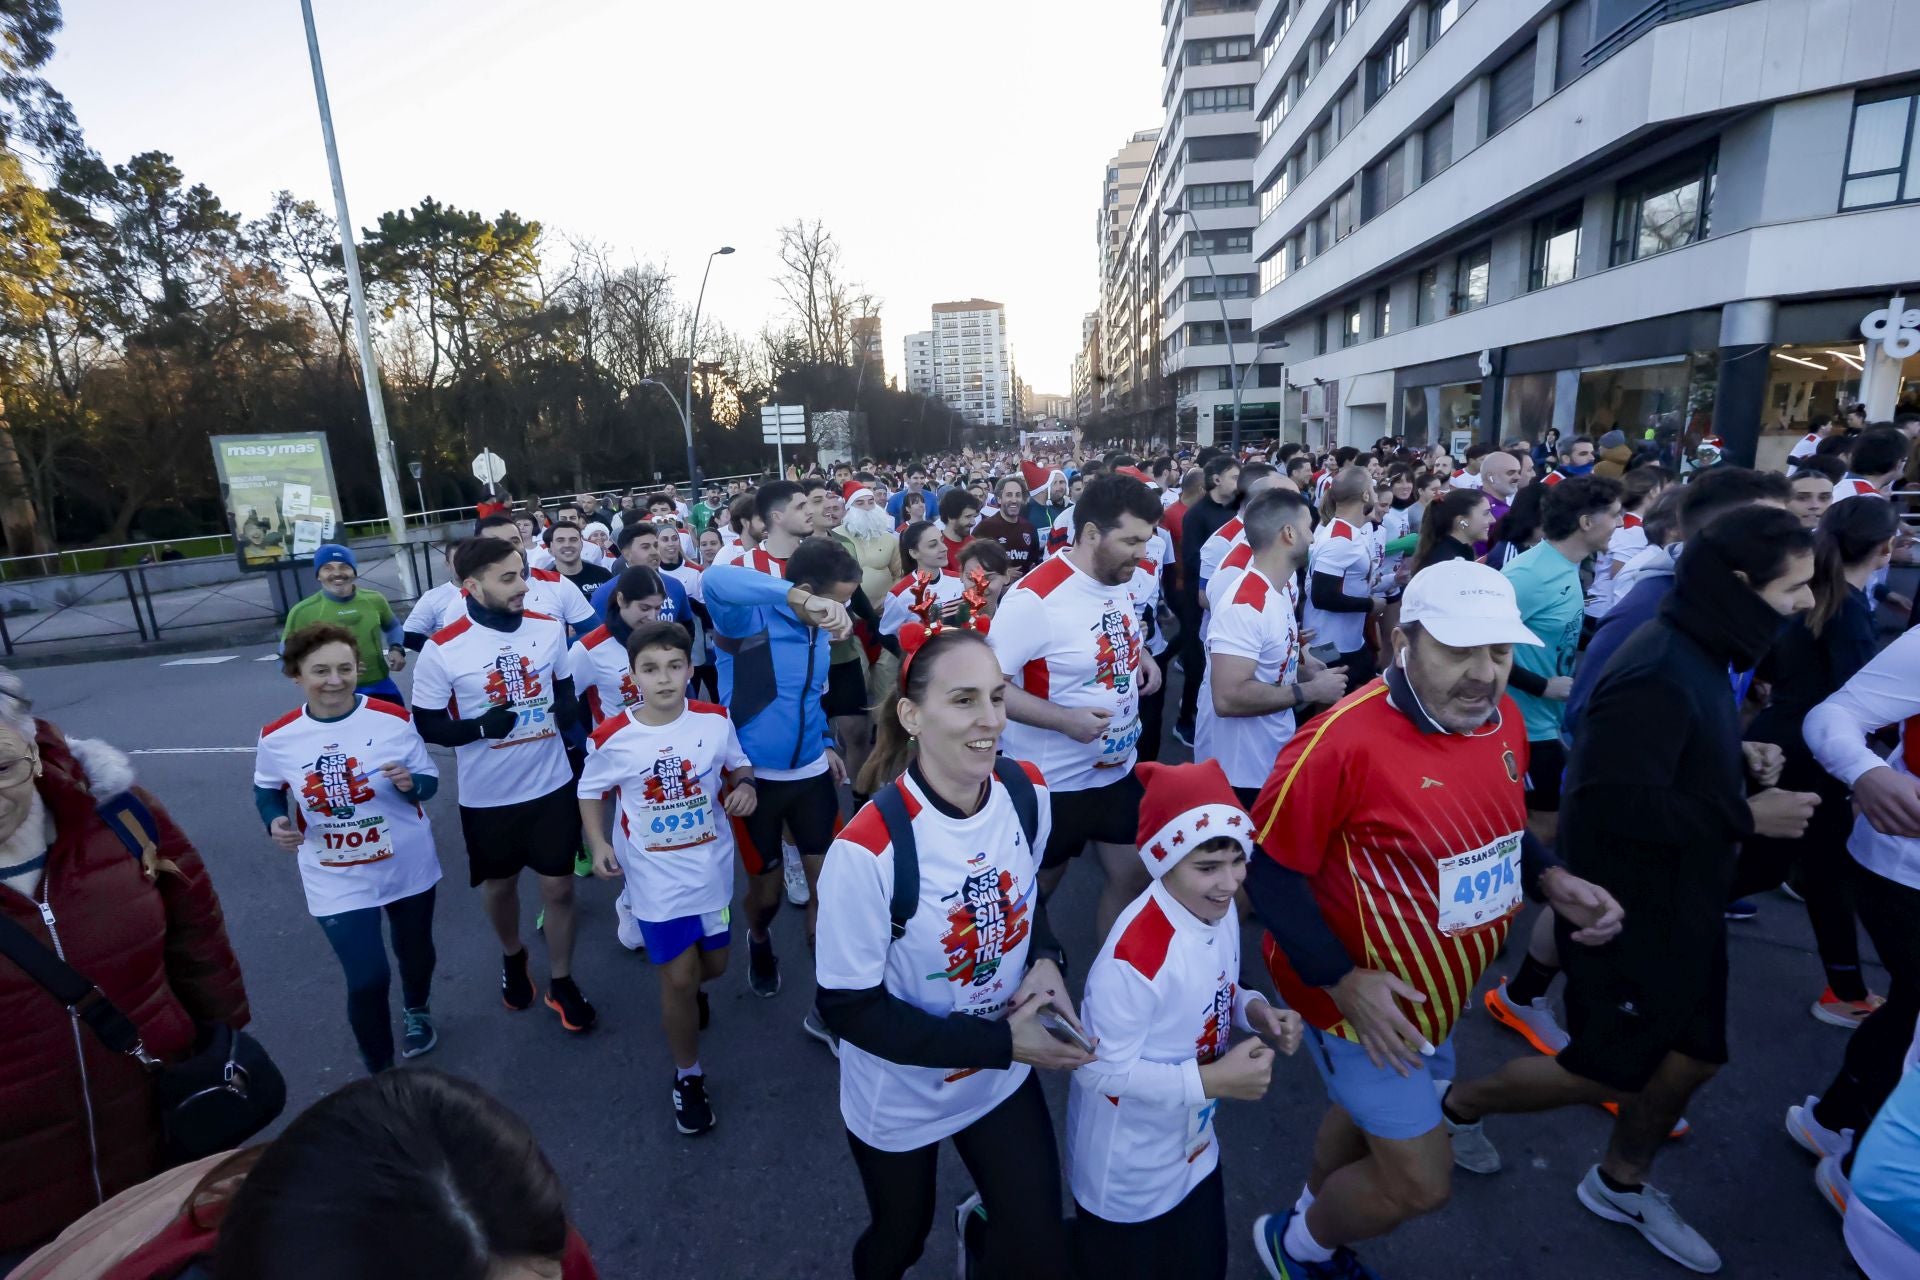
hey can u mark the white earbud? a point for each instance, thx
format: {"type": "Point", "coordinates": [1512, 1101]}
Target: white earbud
{"type": "Point", "coordinates": [1400, 658]}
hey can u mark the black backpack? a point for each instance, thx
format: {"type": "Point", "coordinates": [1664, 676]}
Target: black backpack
{"type": "Point", "coordinates": [892, 804]}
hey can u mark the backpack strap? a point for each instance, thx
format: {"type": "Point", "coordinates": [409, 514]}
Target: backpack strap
{"type": "Point", "coordinates": [892, 804]}
{"type": "Point", "coordinates": [130, 820]}
{"type": "Point", "coordinates": [1020, 789]}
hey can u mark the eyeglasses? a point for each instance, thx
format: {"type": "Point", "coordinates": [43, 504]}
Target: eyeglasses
{"type": "Point", "coordinates": [17, 769]}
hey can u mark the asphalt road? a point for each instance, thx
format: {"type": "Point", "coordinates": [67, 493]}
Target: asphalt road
{"type": "Point", "coordinates": [772, 1190]}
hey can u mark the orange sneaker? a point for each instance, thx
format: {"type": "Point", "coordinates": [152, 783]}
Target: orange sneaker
{"type": "Point", "coordinates": [1835, 1012]}
{"type": "Point", "coordinates": [1533, 1022]}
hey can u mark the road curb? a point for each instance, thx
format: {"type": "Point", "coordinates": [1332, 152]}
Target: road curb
{"type": "Point", "coordinates": [149, 649]}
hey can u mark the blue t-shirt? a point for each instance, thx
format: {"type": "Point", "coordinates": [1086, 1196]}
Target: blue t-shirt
{"type": "Point", "coordinates": [1886, 1169]}
{"type": "Point", "coordinates": [1547, 587]}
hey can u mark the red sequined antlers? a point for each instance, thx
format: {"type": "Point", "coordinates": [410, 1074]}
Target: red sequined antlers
{"type": "Point", "coordinates": [926, 607]}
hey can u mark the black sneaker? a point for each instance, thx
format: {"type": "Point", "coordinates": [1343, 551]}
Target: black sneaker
{"type": "Point", "coordinates": [516, 988]}
{"type": "Point", "coordinates": [692, 1113]}
{"type": "Point", "coordinates": [1183, 732]}
{"type": "Point", "coordinates": [564, 998]}
{"type": "Point", "coordinates": [763, 969]}
{"type": "Point", "coordinates": [420, 1036]}
{"type": "Point", "coordinates": [706, 1009]}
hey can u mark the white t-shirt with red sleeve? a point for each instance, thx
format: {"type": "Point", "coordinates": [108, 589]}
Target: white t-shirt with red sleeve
{"type": "Point", "coordinates": [468, 668]}
{"type": "Point", "coordinates": [1255, 623]}
{"type": "Point", "coordinates": [896, 611]}
{"type": "Point", "coordinates": [602, 676]}
{"type": "Point", "coordinates": [552, 593]}
{"type": "Point", "coordinates": [674, 841]}
{"type": "Point", "coordinates": [1162, 999]}
{"type": "Point", "coordinates": [362, 843]}
{"type": "Point", "coordinates": [1348, 552]}
{"type": "Point", "coordinates": [1068, 639]}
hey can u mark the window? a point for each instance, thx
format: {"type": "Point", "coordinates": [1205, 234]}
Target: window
{"type": "Point", "coordinates": [1201, 288]}
{"type": "Point", "coordinates": [1345, 214]}
{"type": "Point", "coordinates": [1576, 37]}
{"type": "Point", "coordinates": [1511, 94]}
{"type": "Point", "coordinates": [1281, 21]}
{"type": "Point", "coordinates": [1273, 193]}
{"type": "Point", "coordinates": [1206, 102]}
{"type": "Point", "coordinates": [1382, 314]}
{"type": "Point", "coordinates": [1323, 232]}
{"type": "Point", "coordinates": [1426, 296]}
{"type": "Point", "coordinates": [1556, 248]}
{"type": "Point", "coordinates": [1348, 111]}
{"type": "Point", "coordinates": [1472, 274]}
{"type": "Point", "coordinates": [1274, 269]}
{"type": "Point", "coordinates": [1204, 53]}
{"type": "Point", "coordinates": [1201, 243]}
{"type": "Point", "coordinates": [1219, 195]}
{"type": "Point", "coordinates": [1276, 113]}
{"type": "Point", "coordinates": [1320, 326]}
{"type": "Point", "coordinates": [1238, 242]}
{"type": "Point", "coordinates": [1350, 325]}
{"type": "Point", "coordinates": [1440, 16]}
{"type": "Point", "coordinates": [1297, 251]}
{"type": "Point", "coordinates": [1226, 146]}
{"type": "Point", "coordinates": [1664, 208]}
{"type": "Point", "coordinates": [1882, 166]}
{"type": "Point", "coordinates": [1386, 67]}
{"type": "Point", "coordinates": [1436, 151]}
{"type": "Point", "coordinates": [1349, 14]}
{"type": "Point", "coordinates": [1382, 185]}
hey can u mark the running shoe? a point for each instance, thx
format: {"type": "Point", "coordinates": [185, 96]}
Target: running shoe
{"type": "Point", "coordinates": [1269, 1244]}
{"type": "Point", "coordinates": [419, 1037]}
{"type": "Point", "coordinates": [1681, 1127]}
{"type": "Point", "coordinates": [814, 1026]}
{"type": "Point", "coordinates": [1741, 909]}
{"type": "Point", "coordinates": [706, 1009]}
{"type": "Point", "coordinates": [1835, 1012]}
{"type": "Point", "coordinates": [1819, 1140]}
{"type": "Point", "coordinates": [692, 1113]}
{"type": "Point", "coordinates": [516, 988]}
{"type": "Point", "coordinates": [1183, 732]}
{"type": "Point", "coordinates": [763, 969]}
{"type": "Point", "coordinates": [969, 1222]}
{"type": "Point", "coordinates": [1786, 887]}
{"type": "Point", "coordinates": [583, 863]}
{"type": "Point", "coordinates": [1533, 1021]}
{"type": "Point", "coordinates": [1652, 1214]}
{"type": "Point", "coordinates": [794, 872]}
{"type": "Point", "coordinates": [1473, 1150]}
{"type": "Point", "coordinates": [564, 998]}
{"type": "Point", "coordinates": [628, 929]}
{"type": "Point", "coordinates": [1835, 1187]}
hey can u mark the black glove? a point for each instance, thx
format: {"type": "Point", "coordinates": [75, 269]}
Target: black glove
{"type": "Point", "coordinates": [498, 722]}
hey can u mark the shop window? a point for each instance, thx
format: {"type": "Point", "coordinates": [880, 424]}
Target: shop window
{"type": "Point", "coordinates": [1664, 208]}
{"type": "Point", "coordinates": [1883, 152]}
{"type": "Point", "coordinates": [1556, 248]}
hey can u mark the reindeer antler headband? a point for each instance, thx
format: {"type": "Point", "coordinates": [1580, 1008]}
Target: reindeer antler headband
{"type": "Point", "coordinates": [914, 635]}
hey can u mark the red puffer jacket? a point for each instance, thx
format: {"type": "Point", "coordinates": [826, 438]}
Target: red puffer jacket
{"type": "Point", "coordinates": [78, 1122]}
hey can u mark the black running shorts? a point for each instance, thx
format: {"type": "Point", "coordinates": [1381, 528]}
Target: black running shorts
{"type": "Point", "coordinates": [539, 835]}
{"type": "Point", "coordinates": [808, 808]}
{"type": "Point", "coordinates": [1626, 1014]}
{"type": "Point", "coordinates": [1109, 814]}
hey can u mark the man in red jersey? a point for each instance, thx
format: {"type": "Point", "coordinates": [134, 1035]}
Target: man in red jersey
{"type": "Point", "coordinates": [1393, 831]}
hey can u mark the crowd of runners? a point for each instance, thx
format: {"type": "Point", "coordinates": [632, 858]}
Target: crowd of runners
{"type": "Point", "coordinates": [1418, 691]}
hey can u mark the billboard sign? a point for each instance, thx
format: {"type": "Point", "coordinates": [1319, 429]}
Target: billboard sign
{"type": "Point", "coordinates": [279, 494]}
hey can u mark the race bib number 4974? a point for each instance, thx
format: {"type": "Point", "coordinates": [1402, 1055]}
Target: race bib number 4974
{"type": "Point", "coordinates": [1480, 886]}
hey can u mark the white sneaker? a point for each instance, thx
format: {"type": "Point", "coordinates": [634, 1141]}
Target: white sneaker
{"type": "Point", "coordinates": [1534, 1020]}
{"type": "Point", "coordinates": [1835, 1187]}
{"type": "Point", "coordinates": [629, 928]}
{"type": "Point", "coordinates": [794, 872]}
{"type": "Point", "coordinates": [1473, 1150]}
{"type": "Point", "coordinates": [1821, 1141]}
{"type": "Point", "coordinates": [1649, 1212]}
{"type": "Point", "coordinates": [963, 1211]}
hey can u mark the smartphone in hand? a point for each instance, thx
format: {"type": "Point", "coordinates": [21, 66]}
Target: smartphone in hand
{"type": "Point", "coordinates": [1063, 1031]}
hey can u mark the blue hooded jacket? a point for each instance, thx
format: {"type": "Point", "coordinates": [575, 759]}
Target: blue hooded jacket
{"type": "Point", "coordinates": [773, 668]}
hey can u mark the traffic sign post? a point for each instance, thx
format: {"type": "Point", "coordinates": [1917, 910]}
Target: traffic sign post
{"type": "Point", "coordinates": [489, 469]}
{"type": "Point", "coordinates": [781, 425]}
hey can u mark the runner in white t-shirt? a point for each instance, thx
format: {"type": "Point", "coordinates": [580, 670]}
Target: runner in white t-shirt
{"type": "Point", "coordinates": [677, 776]}
{"type": "Point", "coordinates": [548, 591]}
{"type": "Point", "coordinates": [356, 774]}
{"type": "Point", "coordinates": [1163, 999]}
{"type": "Point", "coordinates": [602, 675]}
{"type": "Point", "coordinates": [1256, 674]}
{"type": "Point", "coordinates": [939, 1026]}
{"type": "Point", "coordinates": [1068, 639]}
{"type": "Point", "coordinates": [494, 686]}
{"type": "Point", "coordinates": [1342, 569]}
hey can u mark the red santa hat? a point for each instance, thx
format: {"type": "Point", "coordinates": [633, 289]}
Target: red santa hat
{"type": "Point", "coordinates": [1184, 806]}
{"type": "Point", "coordinates": [851, 490]}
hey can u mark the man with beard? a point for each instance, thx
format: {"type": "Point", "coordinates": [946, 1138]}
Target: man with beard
{"type": "Point", "coordinates": [1009, 526]}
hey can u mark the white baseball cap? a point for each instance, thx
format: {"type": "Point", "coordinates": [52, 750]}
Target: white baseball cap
{"type": "Point", "coordinates": [1464, 604]}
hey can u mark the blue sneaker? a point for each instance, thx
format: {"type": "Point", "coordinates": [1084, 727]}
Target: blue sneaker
{"type": "Point", "coordinates": [1741, 909]}
{"type": "Point", "coordinates": [1269, 1243]}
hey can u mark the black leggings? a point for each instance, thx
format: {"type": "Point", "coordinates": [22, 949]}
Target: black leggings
{"type": "Point", "coordinates": [1015, 1167]}
{"type": "Point", "coordinates": [1825, 878]}
{"type": "Point", "coordinates": [1187, 1242]}
{"type": "Point", "coordinates": [1891, 913]}
{"type": "Point", "coordinates": [1153, 712]}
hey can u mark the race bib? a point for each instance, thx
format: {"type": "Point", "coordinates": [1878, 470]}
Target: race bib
{"type": "Point", "coordinates": [1199, 1129]}
{"type": "Point", "coordinates": [1117, 743]}
{"type": "Point", "coordinates": [354, 841]}
{"type": "Point", "coordinates": [678, 824]}
{"type": "Point", "coordinates": [534, 721]}
{"type": "Point", "coordinates": [1480, 886]}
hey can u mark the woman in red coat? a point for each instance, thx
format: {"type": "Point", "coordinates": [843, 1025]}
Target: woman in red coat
{"type": "Point", "coordinates": [78, 1122]}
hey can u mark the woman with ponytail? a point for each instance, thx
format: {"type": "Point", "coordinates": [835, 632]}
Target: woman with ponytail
{"type": "Point", "coordinates": [1453, 524]}
{"type": "Point", "coordinates": [1816, 654]}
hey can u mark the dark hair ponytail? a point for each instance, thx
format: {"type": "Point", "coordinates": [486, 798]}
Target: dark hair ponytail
{"type": "Point", "coordinates": [1849, 533]}
{"type": "Point", "coordinates": [1439, 519]}
{"type": "Point", "coordinates": [891, 747]}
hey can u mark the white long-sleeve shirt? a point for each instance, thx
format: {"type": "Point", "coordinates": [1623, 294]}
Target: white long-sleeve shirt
{"type": "Point", "coordinates": [1159, 999]}
{"type": "Point", "coordinates": [1885, 691]}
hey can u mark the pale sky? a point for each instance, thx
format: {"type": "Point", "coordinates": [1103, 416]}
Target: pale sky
{"type": "Point", "coordinates": [955, 150]}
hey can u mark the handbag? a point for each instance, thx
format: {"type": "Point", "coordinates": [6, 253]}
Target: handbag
{"type": "Point", "coordinates": [223, 1093]}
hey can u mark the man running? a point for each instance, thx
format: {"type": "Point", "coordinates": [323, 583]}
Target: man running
{"type": "Point", "coordinates": [517, 808]}
{"type": "Point", "coordinates": [1068, 639]}
{"type": "Point", "coordinates": [1342, 571]}
{"type": "Point", "coordinates": [1392, 835]}
{"type": "Point", "coordinates": [341, 602]}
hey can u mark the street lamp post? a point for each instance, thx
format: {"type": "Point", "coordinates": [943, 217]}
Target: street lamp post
{"type": "Point", "coordinates": [1226, 326]}
{"type": "Point", "coordinates": [416, 468]}
{"type": "Point", "coordinates": [686, 408]}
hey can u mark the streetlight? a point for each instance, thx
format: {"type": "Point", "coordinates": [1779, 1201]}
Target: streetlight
{"type": "Point", "coordinates": [416, 468]}
{"type": "Point", "coordinates": [655, 382]}
{"type": "Point", "coordinates": [1226, 325]}
{"type": "Point", "coordinates": [686, 408]}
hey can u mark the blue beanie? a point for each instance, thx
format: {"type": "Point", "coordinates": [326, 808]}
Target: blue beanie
{"type": "Point", "coordinates": [333, 553]}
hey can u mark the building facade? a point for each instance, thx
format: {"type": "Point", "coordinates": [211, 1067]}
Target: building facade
{"type": "Point", "coordinates": [1086, 362]}
{"type": "Point", "coordinates": [868, 346]}
{"type": "Point", "coordinates": [1204, 271]}
{"type": "Point", "coordinates": [971, 371]}
{"type": "Point", "coordinates": [917, 373]}
{"type": "Point", "coordinates": [1481, 220]}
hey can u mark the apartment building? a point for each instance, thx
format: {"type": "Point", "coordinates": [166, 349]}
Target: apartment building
{"type": "Point", "coordinates": [917, 371]}
{"type": "Point", "coordinates": [1205, 269]}
{"type": "Point", "coordinates": [1480, 220]}
{"type": "Point", "coordinates": [1083, 395]}
{"type": "Point", "coordinates": [970, 364]}
{"type": "Point", "coordinates": [869, 347]}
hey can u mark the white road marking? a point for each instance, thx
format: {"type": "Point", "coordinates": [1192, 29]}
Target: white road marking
{"type": "Point", "coordinates": [201, 662]}
{"type": "Point", "coordinates": [268, 657]}
{"type": "Point", "coordinates": [184, 751]}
